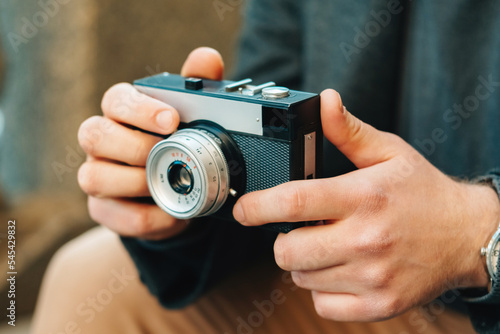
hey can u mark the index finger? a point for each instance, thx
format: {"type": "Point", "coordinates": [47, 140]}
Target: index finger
{"type": "Point", "coordinates": [124, 104]}
{"type": "Point", "coordinates": [296, 201]}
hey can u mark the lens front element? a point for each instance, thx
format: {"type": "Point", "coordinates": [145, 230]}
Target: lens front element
{"type": "Point", "coordinates": [180, 177]}
{"type": "Point", "coordinates": [187, 174]}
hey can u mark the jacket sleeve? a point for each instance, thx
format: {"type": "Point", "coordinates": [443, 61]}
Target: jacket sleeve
{"type": "Point", "coordinates": [180, 269]}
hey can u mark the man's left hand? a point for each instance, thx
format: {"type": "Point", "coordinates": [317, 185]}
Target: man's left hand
{"type": "Point", "coordinates": [397, 232]}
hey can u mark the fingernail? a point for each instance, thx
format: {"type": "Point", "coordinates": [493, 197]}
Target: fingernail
{"type": "Point", "coordinates": [165, 120]}
{"type": "Point", "coordinates": [238, 213]}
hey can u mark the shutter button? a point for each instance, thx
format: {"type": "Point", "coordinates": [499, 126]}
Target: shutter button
{"type": "Point", "coordinates": [275, 92]}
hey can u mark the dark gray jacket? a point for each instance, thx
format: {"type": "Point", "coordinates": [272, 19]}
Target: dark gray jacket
{"type": "Point", "coordinates": [426, 70]}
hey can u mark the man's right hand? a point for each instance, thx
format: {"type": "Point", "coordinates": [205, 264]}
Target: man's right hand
{"type": "Point", "coordinates": [114, 174]}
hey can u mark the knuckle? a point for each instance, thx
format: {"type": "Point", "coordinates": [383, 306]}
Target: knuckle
{"type": "Point", "coordinates": [87, 179]}
{"type": "Point", "coordinates": [140, 186]}
{"type": "Point", "coordinates": [93, 210]}
{"type": "Point", "coordinates": [378, 277]}
{"type": "Point", "coordinates": [112, 94]}
{"type": "Point", "coordinates": [375, 241]}
{"type": "Point", "coordinates": [141, 223]}
{"type": "Point", "coordinates": [293, 204]}
{"type": "Point", "coordinates": [92, 133]}
{"type": "Point", "coordinates": [357, 125]}
{"type": "Point", "coordinates": [139, 153]}
{"type": "Point", "coordinates": [385, 307]}
{"type": "Point", "coordinates": [281, 254]}
{"type": "Point", "coordinates": [322, 308]}
{"type": "Point", "coordinates": [395, 138]}
{"type": "Point", "coordinates": [88, 134]}
{"type": "Point", "coordinates": [97, 208]}
{"type": "Point", "coordinates": [397, 142]}
{"type": "Point", "coordinates": [299, 278]}
{"type": "Point", "coordinates": [374, 198]}
{"type": "Point", "coordinates": [250, 206]}
{"type": "Point", "coordinates": [355, 134]}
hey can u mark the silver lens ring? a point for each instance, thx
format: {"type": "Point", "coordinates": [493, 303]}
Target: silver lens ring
{"type": "Point", "coordinates": [197, 151]}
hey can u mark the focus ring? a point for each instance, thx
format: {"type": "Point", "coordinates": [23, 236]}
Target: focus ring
{"type": "Point", "coordinates": [200, 152]}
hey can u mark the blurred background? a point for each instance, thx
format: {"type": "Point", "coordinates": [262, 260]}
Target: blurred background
{"type": "Point", "coordinates": [57, 58]}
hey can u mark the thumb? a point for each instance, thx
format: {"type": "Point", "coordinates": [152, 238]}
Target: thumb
{"type": "Point", "coordinates": [205, 63]}
{"type": "Point", "coordinates": [359, 142]}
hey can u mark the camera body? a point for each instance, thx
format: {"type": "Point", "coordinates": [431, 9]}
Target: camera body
{"type": "Point", "coordinates": [234, 138]}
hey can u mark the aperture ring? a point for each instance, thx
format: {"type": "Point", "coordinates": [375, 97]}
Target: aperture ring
{"type": "Point", "coordinates": [204, 158]}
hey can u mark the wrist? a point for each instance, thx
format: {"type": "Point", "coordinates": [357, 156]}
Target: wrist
{"type": "Point", "coordinates": [482, 221]}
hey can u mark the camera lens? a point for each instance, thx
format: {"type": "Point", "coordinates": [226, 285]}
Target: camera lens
{"type": "Point", "coordinates": [188, 174]}
{"type": "Point", "coordinates": [180, 177]}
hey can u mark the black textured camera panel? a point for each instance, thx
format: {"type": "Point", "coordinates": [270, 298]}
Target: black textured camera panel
{"type": "Point", "coordinates": [267, 161]}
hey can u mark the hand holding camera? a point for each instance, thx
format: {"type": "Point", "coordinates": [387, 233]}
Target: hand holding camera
{"type": "Point", "coordinates": [114, 175]}
{"type": "Point", "coordinates": [385, 243]}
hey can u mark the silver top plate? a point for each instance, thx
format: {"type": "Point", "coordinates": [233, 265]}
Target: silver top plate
{"type": "Point", "coordinates": [232, 115]}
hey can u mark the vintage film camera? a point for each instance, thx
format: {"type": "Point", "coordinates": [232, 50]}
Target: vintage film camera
{"type": "Point", "coordinates": [234, 138]}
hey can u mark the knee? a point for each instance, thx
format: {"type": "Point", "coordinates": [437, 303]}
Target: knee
{"type": "Point", "coordinates": [86, 260]}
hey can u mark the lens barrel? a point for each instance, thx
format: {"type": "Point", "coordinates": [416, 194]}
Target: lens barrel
{"type": "Point", "coordinates": [188, 173]}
